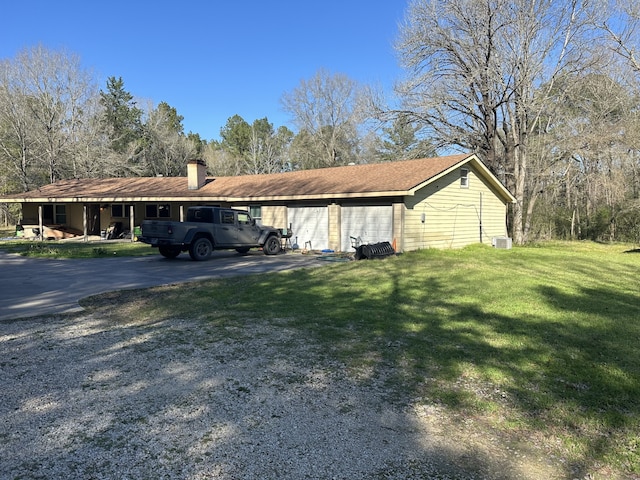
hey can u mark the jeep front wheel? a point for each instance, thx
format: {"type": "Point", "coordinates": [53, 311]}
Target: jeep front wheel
{"type": "Point", "coordinates": [272, 245]}
{"type": "Point", "coordinates": [200, 249]}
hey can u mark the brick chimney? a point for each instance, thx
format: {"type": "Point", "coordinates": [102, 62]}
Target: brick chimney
{"type": "Point", "coordinates": [196, 174]}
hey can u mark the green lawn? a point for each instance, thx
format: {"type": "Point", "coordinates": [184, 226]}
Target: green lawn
{"type": "Point", "coordinates": [76, 249]}
{"type": "Point", "coordinates": [537, 343]}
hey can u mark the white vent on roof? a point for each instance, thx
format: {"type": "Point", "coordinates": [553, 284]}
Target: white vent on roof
{"type": "Point", "coordinates": [501, 242]}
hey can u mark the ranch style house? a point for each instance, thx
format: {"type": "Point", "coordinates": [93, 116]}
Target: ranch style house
{"type": "Point", "coordinates": [442, 202]}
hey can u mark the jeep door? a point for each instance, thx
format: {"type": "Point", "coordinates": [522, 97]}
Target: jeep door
{"type": "Point", "coordinates": [227, 230]}
{"type": "Point", "coordinates": [248, 232]}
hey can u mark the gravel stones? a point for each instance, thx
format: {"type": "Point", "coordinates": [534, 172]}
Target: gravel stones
{"type": "Point", "coordinates": [84, 397]}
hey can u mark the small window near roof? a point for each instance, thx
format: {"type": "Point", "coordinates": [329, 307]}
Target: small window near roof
{"type": "Point", "coordinates": [464, 178]}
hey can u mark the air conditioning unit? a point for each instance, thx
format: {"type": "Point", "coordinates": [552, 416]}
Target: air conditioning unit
{"type": "Point", "coordinates": [501, 242]}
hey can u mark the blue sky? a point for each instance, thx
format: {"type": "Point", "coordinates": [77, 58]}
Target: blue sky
{"type": "Point", "coordinates": [213, 59]}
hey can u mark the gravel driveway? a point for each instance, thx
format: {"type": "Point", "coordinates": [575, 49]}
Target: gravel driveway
{"type": "Point", "coordinates": [91, 396]}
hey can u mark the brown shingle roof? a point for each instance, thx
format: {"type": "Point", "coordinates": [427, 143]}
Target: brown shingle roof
{"type": "Point", "coordinates": [392, 178]}
{"type": "Point", "coordinates": [354, 179]}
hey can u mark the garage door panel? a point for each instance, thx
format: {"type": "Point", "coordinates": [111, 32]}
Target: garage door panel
{"type": "Point", "coordinates": [372, 224]}
{"type": "Point", "coordinates": [310, 224]}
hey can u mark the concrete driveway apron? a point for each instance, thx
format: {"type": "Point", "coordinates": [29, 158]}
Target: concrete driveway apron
{"type": "Point", "coordinates": [34, 286]}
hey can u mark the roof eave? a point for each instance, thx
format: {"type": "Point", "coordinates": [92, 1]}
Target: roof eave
{"type": "Point", "coordinates": [490, 177]}
{"type": "Point", "coordinates": [206, 198]}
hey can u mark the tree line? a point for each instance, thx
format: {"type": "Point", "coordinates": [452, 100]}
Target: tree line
{"type": "Point", "coordinates": [545, 92]}
{"type": "Point", "coordinates": [55, 123]}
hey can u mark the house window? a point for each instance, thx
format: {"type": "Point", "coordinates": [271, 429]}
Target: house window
{"type": "Point", "coordinates": [255, 211]}
{"type": "Point", "coordinates": [60, 214]}
{"type": "Point", "coordinates": [464, 178]}
{"type": "Point", "coordinates": [47, 214]}
{"type": "Point", "coordinates": [154, 210]}
{"type": "Point", "coordinates": [54, 214]}
{"type": "Point", "coordinates": [118, 210]}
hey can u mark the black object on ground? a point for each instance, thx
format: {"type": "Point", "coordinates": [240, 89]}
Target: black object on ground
{"type": "Point", "coordinates": [374, 250]}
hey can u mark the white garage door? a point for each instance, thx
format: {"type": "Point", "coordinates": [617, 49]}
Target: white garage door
{"type": "Point", "coordinates": [310, 224]}
{"type": "Point", "coordinates": [371, 224]}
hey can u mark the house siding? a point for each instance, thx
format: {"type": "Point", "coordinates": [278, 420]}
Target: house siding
{"type": "Point", "coordinates": [30, 213]}
{"type": "Point", "coordinates": [452, 214]}
{"type": "Point", "coordinates": [75, 215]}
{"type": "Point", "coordinates": [275, 216]}
{"type": "Point", "coordinates": [335, 228]}
{"type": "Point", "coordinates": [398, 226]}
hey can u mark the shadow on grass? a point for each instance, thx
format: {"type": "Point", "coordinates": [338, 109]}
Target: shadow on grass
{"type": "Point", "coordinates": [569, 370]}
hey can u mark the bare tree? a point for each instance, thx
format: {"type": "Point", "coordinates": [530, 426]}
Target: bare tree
{"type": "Point", "coordinates": [165, 150]}
{"type": "Point", "coordinates": [220, 161]}
{"type": "Point", "coordinates": [589, 181]}
{"type": "Point", "coordinates": [475, 68]}
{"type": "Point", "coordinates": [44, 100]}
{"type": "Point", "coordinates": [92, 156]}
{"type": "Point", "coordinates": [620, 21]}
{"type": "Point", "coordinates": [58, 90]}
{"type": "Point", "coordinates": [17, 136]}
{"type": "Point", "coordinates": [267, 152]}
{"type": "Point", "coordinates": [324, 109]}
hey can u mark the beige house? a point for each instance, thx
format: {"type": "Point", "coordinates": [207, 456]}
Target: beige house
{"type": "Point", "coordinates": [444, 202]}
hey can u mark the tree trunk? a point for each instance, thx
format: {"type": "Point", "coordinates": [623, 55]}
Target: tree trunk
{"type": "Point", "coordinates": [527, 221]}
{"type": "Point", "coordinates": [519, 192]}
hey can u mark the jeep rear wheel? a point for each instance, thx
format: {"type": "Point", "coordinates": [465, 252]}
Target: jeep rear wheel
{"type": "Point", "coordinates": [200, 249]}
{"type": "Point", "coordinates": [169, 252]}
{"type": "Point", "coordinates": [272, 245]}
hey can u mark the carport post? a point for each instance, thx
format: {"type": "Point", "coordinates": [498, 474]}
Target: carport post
{"type": "Point", "coordinates": [132, 221]}
{"type": "Point", "coordinates": [40, 222]}
{"type": "Point", "coordinates": [84, 222]}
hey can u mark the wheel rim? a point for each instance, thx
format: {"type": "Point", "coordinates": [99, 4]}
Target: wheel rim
{"type": "Point", "coordinates": [273, 245]}
{"type": "Point", "coordinates": [202, 249]}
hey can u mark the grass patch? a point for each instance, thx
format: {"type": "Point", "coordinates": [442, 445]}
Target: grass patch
{"type": "Point", "coordinates": [539, 343]}
{"type": "Point", "coordinates": [7, 232]}
{"type": "Point", "coordinates": [68, 249]}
